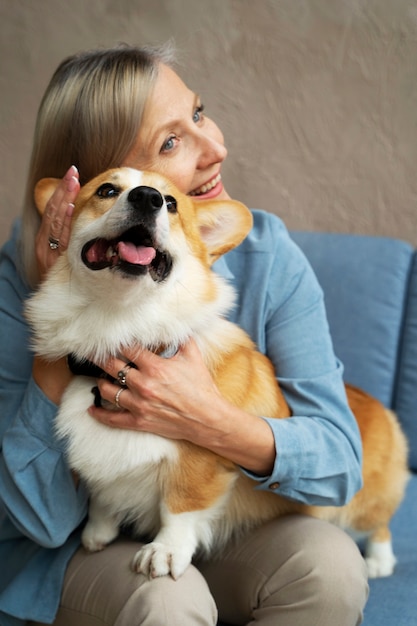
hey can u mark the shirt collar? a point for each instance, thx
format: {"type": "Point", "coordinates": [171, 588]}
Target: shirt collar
{"type": "Point", "coordinates": [221, 268]}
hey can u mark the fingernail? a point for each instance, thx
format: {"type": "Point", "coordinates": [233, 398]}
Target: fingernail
{"type": "Point", "coordinates": [72, 171]}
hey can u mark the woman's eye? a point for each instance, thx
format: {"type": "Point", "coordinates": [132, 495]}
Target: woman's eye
{"type": "Point", "coordinates": [198, 113]}
{"type": "Point", "coordinates": [169, 144]}
{"type": "Point", "coordinates": [107, 190]}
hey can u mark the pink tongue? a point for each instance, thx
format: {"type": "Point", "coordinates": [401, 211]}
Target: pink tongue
{"type": "Point", "coordinates": [137, 255]}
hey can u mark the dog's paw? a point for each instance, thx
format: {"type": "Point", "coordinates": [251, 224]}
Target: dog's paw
{"type": "Point", "coordinates": [96, 537]}
{"type": "Point", "coordinates": [380, 559]}
{"type": "Point", "coordinates": [158, 559]}
{"type": "Point", "coordinates": [378, 568]}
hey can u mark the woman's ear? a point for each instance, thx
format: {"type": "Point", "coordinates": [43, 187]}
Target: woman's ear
{"type": "Point", "coordinates": [43, 191]}
{"type": "Point", "coordinates": [223, 225]}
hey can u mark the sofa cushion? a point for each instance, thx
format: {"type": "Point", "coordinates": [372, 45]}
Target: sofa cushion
{"type": "Point", "coordinates": [366, 281]}
{"type": "Point", "coordinates": [405, 398]}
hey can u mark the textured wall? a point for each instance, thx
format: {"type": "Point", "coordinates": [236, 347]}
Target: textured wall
{"type": "Point", "coordinates": [317, 98]}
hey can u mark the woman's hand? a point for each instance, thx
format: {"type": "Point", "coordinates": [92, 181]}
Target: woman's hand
{"type": "Point", "coordinates": [178, 399]}
{"type": "Point", "coordinates": [161, 395]}
{"type": "Point", "coordinates": [53, 378]}
{"type": "Point", "coordinates": [56, 221]}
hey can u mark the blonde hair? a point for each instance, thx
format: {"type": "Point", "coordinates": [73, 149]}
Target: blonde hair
{"type": "Point", "coordinates": [89, 116]}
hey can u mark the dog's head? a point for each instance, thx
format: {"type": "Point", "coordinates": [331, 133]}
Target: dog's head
{"type": "Point", "coordinates": [137, 266]}
{"type": "Point", "coordinates": [138, 223]}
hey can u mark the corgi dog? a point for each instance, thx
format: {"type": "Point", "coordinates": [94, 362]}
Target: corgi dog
{"type": "Point", "coordinates": [138, 269]}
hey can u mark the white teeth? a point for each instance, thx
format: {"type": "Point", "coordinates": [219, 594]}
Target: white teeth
{"type": "Point", "coordinates": [205, 188]}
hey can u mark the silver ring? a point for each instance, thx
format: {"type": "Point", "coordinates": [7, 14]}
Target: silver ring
{"type": "Point", "coordinates": [121, 375]}
{"type": "Point", "coordinates": [117, 396]}
{"type": "Point", "coordinates": [53, 243]}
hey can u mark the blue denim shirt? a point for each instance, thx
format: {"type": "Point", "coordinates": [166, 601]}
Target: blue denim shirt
{"type": "Point", "coordinates": [318, 459]}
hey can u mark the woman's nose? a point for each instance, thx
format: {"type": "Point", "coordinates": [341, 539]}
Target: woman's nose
{"type": "Point", "coordinates": [212, 150]}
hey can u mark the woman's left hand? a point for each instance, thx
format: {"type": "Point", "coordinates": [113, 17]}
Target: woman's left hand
{"type": "Point", "coordinates": [168, 397]}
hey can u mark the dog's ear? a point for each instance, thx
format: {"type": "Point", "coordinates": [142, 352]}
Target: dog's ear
{"type": "Point", "coordinates": [43, 191]}
{"type": "Point", "coordinates": [223, 225]}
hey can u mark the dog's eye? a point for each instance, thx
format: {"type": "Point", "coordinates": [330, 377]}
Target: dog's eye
{"type": "Point", "coordinates": [171, 204]}
{"type": "Point", "coordinates": [107, 190]}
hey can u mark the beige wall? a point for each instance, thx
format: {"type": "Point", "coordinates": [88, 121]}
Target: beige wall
{"type": "Point", "coordinates": [317, 98]}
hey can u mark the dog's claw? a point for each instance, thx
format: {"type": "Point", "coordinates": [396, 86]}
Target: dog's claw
{"type": "Point", "coordinates": [157, 559]}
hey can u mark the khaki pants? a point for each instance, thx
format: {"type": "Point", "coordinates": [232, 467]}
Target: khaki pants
{"type": "Point", "coordinates": [294, 571]}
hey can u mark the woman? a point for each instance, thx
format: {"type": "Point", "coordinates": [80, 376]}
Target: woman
{"type": "Point", "coordinates": [127, 106]}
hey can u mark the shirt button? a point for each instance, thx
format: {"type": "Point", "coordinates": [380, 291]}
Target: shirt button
{"type": "Point", "coordinates": [274, 486]}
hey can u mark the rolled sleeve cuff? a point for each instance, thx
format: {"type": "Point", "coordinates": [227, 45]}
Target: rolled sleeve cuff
{"type": "Point", "coordinates": [285, 465]}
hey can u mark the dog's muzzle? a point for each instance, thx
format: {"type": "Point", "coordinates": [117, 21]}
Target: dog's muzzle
{"type": "Point", "coordinates": [134, 251]}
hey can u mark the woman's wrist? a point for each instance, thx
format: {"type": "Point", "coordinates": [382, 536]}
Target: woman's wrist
{"type": "Point", "coordinates": [52, 377]}
{"type": "Point", "coordinates": [243, 438]}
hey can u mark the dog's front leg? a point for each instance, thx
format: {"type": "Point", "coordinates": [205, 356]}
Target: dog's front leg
{"type": "Point", "coordinates": [173, 547]}
{"type": "Point", "coordinates": [101, 528]}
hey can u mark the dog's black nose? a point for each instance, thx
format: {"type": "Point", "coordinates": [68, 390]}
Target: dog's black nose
{"type": "Point", "coordinates": [146, 199]}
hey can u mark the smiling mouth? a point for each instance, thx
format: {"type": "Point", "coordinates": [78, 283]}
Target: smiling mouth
{"type": "Point", "coordinates": [207, 187]}
{"type": "Point", "coordinates": [133, 252]}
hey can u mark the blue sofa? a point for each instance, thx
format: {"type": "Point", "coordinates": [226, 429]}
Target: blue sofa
{"type": "Point", "coordinates": [370, 286]}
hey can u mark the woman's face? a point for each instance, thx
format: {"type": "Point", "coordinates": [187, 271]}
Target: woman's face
{"type": "Point", "coordinates": [178, 141]}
